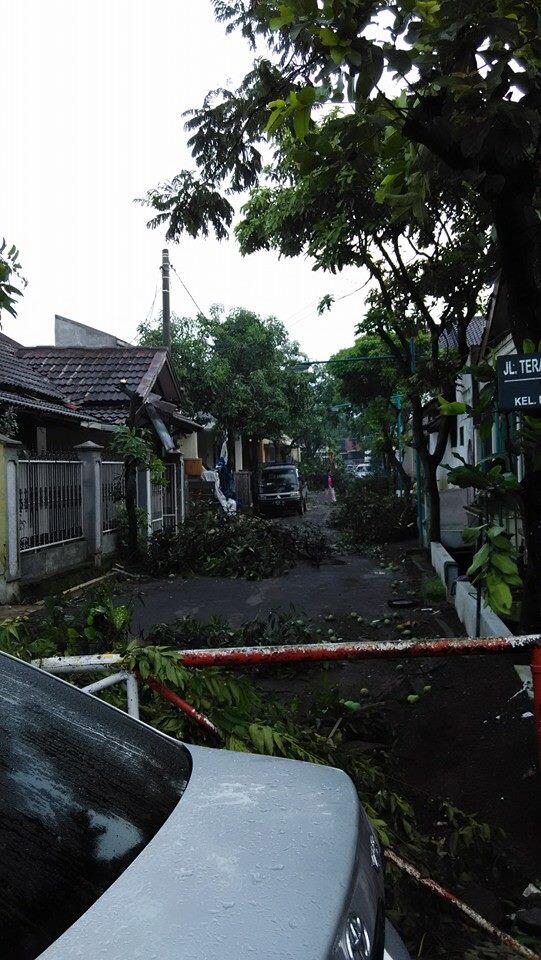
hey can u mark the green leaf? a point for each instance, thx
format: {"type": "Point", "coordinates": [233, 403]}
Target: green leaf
{"type": "Point", "coordinates": [337, 55]}
{"type": "Point", "coordinates": [452, 408]}
{"type": "Point", "coordinates": [528, 346]}
{"type": "Point", "coordinates": [513, 579]}
{"type": "Point", "coordinates": [494, 532]}
{"type": "Point", "coordinates": [328, 37]}
{"type": "Point", "coordinates": [471, 534]}
{"type": "Point", "coordinates": [504, 563]}
{"type": "Point", "coordinates": [274, 120]}
{"type": "Point", "coordinates": [307, 95]}
{"type": "Point", "coordinates": [285, 16]}
{"type": "Point", "coordinates": [499, 597]}
{"type": "Point", "coordinates": [503, 543]}
{"type": "Point", "coordinates": [268, 739]}
{"type": "Point", "coordinates": [370, 72]}
{"type": "Point", "coordinates": [479, 560]}
{"type": "Point", "coordinates": [385, 186]}
{"type": "Point", "coordinates": [301, 122]}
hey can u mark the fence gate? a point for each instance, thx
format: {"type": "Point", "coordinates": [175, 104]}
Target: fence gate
{"type": "Point", "coordinates": [163, 502]}
{"type": "Point", "coordinates": [50, 502]}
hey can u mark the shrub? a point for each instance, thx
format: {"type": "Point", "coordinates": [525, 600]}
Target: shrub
{"type": "Point", "coordinates": [370, 512]}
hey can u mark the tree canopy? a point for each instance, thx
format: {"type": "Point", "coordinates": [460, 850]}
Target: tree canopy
{"type": "Point", "coordinates": [428, 279]}
{"type": "Point", "coordinates": [244, 371]}
{"type": "Point", "coordinates": [445, 90]}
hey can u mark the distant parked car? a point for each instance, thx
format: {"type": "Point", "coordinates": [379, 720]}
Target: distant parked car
{"type": "Point", "coordinates": [363, 470]}
{"type": "Point", "coordinates": [281, 486]}
{"type": "Point", "coordinates": [120, 843]}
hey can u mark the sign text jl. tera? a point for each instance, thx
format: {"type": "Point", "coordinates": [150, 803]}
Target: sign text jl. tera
{"type": "Point", "coordinates": [519, 382]}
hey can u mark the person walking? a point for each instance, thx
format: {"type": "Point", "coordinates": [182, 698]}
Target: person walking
{"type": "Point", "coordinates": [331, 492]}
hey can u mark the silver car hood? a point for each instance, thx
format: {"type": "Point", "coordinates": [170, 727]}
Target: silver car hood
{"type": "Point", "coordinates": [257, 860]}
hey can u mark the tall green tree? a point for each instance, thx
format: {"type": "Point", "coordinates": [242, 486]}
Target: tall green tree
{"type": "Point", "coordinates": [465, 82]}
{"type": "Point", "coordinates": [427, 280]}
{"type": "Point", "coordinates": [371, 382]}
{"type": "Point", "coordinates": [244, 371]}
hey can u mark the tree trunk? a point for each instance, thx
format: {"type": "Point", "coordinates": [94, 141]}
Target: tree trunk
{"type": "Point", "coordinates": [432, 494]}
{"type": "Point", "coordinates": [405, 478]}
{"type": "Point", "coordinates": [429, 466]}
{"type": "Point", "coordinates": [531, 514]}
{"type": "Point", "coordinates": [130, 478]}
{"type": "Point", "coordinates": [519, 238]}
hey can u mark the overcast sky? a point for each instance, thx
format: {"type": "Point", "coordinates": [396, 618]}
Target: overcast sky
{"type": "Point", "coordinates": [93, 92]}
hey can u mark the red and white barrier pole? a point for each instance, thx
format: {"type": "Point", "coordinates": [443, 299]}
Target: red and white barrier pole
{"type": "Point", "coordinates": [294, 653]}
{"type": "Point", "coordinates": [360, 650]}
{"type": "Point", "coordinates": [183, 705]}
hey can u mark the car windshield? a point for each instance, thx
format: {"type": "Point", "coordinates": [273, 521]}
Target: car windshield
{"type": "Point", "coordinates": [282, 480]}
{"type": "Point", "coordinates": [83, 789]}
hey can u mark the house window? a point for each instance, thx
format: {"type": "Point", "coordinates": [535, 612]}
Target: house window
{"type": "Point", "coordinates": [461, 435]}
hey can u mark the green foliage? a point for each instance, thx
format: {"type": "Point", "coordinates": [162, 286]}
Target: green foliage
{"type": "Point", "coordinates": [158, 473]}
{"type": "Point", "coordinates": [367, 514]}
{"type": "Point", "coordinates": [133, 444]}
{"type": "Point", "coordinates": [211, 544]}
{"type": "Point", "coordinates": [452, 60]}
{"type": "Point", "coordinates": [190, 633]}
{"type": "Point", "coordinates": [9, 423]}
{"type": "Point", "coordinates": [245, 372]}
{"type": "Point", "coordinates": [67, 628]}
{"type": "Point", "coordinates": [10, 271]}
{"type": "Point", "coordinates": [494, 567]}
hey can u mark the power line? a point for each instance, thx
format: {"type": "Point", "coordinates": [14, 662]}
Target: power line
{"type": "Point", "coordinates": [192, 298]}
{"type": "Point", "coordinates": [302, 310]}
{"type": "Point", "coordinates": [151, 311]}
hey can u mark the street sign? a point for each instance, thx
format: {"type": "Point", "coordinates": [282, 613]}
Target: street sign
{"type": "Point", "coordinates": [519, 382]}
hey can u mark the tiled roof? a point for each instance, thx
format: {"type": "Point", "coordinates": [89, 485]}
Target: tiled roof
{"type": "Point", "coordinates": [474, 335]}
{"type": "Point", "coordinates": [39, 405]}
{"type": "Point", "coordinates": [106, 413]}
{"type": "Point", "coordinates": [19, 375]}
{"type": "Point", "coordinates": [89, 376]}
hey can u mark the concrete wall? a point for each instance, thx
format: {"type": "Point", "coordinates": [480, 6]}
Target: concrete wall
{"type": "Point", "coordinates": [70, 333]}
{"type": "Point", "coordinates": [108, 544]}
{"type": "Point", "coordinates": [445, 566]}
{"type": "Point", "coordinates": [189, 446]}
{"type": "Point", "coordinates": [466, 608]}
{"type": "Point", "coordinates": [48, 561]}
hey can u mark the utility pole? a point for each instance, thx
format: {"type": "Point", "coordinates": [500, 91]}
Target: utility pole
{"type": "Point", "coordinates": [166, 302]}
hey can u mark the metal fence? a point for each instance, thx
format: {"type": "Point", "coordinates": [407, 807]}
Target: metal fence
{"type": "Point", "coordinates": [112, 494]}
{"type": "Point", "coordinates": [163, 500]}
{"type": "Point", "coordinates": [50, 502]}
